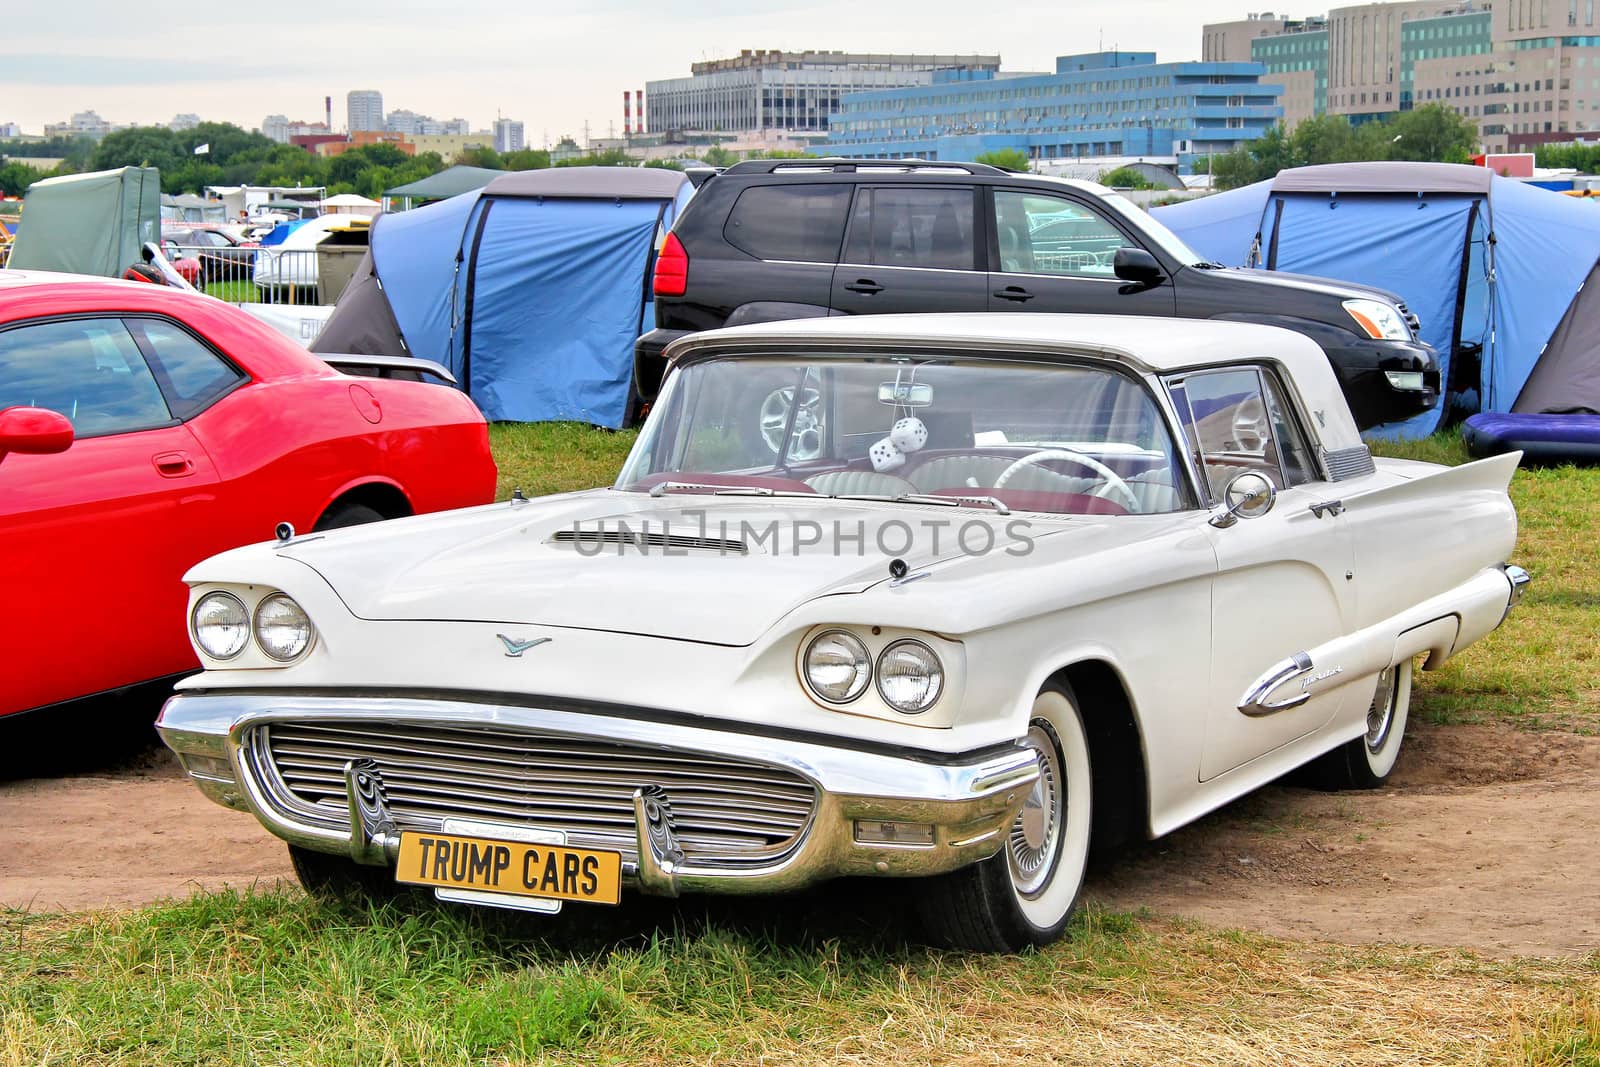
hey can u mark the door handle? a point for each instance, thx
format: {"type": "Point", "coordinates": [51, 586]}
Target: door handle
{"type": "Point", "coordinates": [1013, 292]}
{"type": "Point", "coordinates": [173, 464]}
{"type": "Point", "coordinates": [865, 286]}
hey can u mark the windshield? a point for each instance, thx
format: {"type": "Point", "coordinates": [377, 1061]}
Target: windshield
{"type": "Point", "coordinates": [1066, 439]}
{"type": "Point", "coordinates": [1150, 226]}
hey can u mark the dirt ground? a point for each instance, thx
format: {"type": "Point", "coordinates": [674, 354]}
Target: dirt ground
{"type": "Point", "coordinates": [1484, 838]}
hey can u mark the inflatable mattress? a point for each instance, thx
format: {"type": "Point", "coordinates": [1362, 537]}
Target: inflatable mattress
{"type": "Point", "coordinates": [1542, 438]}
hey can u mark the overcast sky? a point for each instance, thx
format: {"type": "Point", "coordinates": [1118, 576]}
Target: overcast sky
{"type": "Point", "coordinates": [554, 68]}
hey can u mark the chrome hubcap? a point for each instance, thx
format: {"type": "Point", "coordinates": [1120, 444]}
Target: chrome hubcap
{"type": "Point", "coordinates": [1380, 715]}
{"type": "Point", "coordinates": [1035, 838]}
{"type": "Point", "coordinates": [807, 441]}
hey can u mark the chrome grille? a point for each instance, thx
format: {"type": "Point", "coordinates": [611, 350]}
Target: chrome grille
{"type": "Point", "coordinates": [725, 810]}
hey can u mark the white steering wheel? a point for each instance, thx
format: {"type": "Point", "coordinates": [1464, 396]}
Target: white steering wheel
{"type": "Point", "coordinates": [1112, 479]}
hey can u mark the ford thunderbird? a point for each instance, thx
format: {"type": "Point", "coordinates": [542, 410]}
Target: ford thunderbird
{"type": "Point", "coordinates": [940, 598]}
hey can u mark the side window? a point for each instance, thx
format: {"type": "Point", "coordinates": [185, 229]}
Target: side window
{"type": "Point", "coordinates": [909, 227]}
{"type": "Point", "coordinates": [804, 223]}
{"type": "Point", "coordinates": [89, 370]}
{"type": "Point", "coordinates": [1236, 420]}
{"type": "Point", "coordinates": [192, 376]}
{"type": "Point", "coordinates": [1053, 235]}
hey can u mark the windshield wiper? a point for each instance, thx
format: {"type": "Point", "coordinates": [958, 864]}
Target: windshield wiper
{"type": "Point", "coordinates": [928, 498]}
{"type": "Point", "coordinates": [1210, 265]}
{"type": "Point", "coordinates": [661, 489]}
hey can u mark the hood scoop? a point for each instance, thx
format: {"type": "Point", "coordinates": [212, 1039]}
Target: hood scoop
{"type": "Point", "coordinates": [645, 539]}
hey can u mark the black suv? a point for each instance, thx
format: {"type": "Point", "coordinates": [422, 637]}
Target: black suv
{"type": "Point", "coordinates": [798, 238]}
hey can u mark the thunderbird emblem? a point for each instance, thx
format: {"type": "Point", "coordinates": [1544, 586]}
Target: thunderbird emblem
{"type": "Point", "coordinates": [515, 646]}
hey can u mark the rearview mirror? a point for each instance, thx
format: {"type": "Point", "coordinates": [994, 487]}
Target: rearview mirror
{"type": "Point", "coordinates": [1136, 265]}
{"type": "Point", "coordinates": [902, 394]}
{"type": "Point", "coordinates": [1248, 496]}
{"type": "Point", "coordinates": [33, 431]}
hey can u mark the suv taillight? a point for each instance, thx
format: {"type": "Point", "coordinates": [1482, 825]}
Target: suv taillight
{"type": "Point", "coordinates": [672, 268]}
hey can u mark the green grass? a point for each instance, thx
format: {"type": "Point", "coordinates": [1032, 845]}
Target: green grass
{"type": "Point", "coordinates": [270, 979]}
{"type": "Point", "coordinates": [234, 292]}
{"type": "Point", "coordinates": [556, 457]}
{"type": "Point", "coordinates": [1542, 667]}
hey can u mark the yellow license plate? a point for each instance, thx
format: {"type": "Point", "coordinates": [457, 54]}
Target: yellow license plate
{"type": "Point", "coordinates": [491, 865]}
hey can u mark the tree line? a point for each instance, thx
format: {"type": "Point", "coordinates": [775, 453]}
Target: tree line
{"type": "Point", "coordinates": [1431, 134]}
{"type": "Point", "coordinates": [236, 156]}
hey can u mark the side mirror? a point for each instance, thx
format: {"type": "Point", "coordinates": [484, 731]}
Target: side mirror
{"type": "Point", "coordinates": [33, 431]}
{"type": "Point", "coordinates": [1136, 265]}
{"type": "Point", "coordinates": [1248, 496]}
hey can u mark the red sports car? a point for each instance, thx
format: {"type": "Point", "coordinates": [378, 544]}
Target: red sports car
{"type": "Point", "coordinates": [143, 429]}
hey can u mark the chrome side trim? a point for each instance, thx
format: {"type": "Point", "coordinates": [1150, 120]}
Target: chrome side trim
{"type": "Point", "coordinates": [1255, 703]}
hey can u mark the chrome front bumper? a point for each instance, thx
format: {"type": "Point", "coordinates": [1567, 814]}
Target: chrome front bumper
{"type": "Point", "coordinates": [969, 802]}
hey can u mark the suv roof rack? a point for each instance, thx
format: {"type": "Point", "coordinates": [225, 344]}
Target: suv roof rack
{"type": "Point", "coordinates": [846, 166]}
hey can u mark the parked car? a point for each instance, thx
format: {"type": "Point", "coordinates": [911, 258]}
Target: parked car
{"type": "Point", "coordinates": [784, 239]}
{"type": "Point", "coordinates": [143, 429]}
{"type": "Point", "coordinates": [991, 584]}
{"type": "Point", "coordinates": [223, 258]}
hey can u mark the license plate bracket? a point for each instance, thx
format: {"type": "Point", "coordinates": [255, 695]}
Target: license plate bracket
{"type": "Point", "coordinates": [526, 868]}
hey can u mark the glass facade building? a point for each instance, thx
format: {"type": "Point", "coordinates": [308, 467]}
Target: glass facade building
{"type": "Point", "coordinates": [1293, 52]}
{"type": "Point", "coordinates": [1446, 37]}
{"type": "Point", "coordinates": [791, 91]}
{"type": "Point", "coordinates": [1099, 105]}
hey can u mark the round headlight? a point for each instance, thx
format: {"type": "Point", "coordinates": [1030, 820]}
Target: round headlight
{"type": "Point", "coordinates": [910, 677]}
{"type": "Point", "coordinates": [220, 624]}
{"type": "Point", "coordinates": [283, 629]}
{"type": "Point", "coordinates": [838, 666]}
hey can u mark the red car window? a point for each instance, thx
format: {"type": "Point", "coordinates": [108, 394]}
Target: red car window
{"type": "Point", "coordinates": [90, 370]}
{"type": "Point", "coordinates": [192, 376]}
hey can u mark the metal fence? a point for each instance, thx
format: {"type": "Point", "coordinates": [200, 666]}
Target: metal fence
{"type": "Point", "coordinates": [255, 275]}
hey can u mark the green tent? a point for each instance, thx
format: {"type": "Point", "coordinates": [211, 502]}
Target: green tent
{"type": "Point", "coordinates": [447, 183]}
{"type": "Point", "coordinates": [89, 223]}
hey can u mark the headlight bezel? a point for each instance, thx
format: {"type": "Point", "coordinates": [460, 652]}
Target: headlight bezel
{"type": "Point", "coordinates": [245, 613]}
{"type": "Point", "coordinates": [859, 687]}
{"type": "Point", "coordinates": [1380, 321]}
{"type": "Point", "coordinates": [261, 643]}
{"type": "Point", "coordinates": [937, 673]}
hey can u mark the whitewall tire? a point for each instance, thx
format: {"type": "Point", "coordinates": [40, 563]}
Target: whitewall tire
{"type": "Point", "coordinates": [1366, 761]}
{"type": "Point", "coordinates": [1025, 894]}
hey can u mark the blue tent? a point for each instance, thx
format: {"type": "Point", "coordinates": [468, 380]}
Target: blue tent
{"type": "Point", "coordinates": [1490, 265]}
{"type": "Point", "coordinates": [531, 290]}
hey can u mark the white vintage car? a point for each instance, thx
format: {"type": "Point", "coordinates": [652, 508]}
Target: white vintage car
{"type": "Point", "coordinates": [930, 596]}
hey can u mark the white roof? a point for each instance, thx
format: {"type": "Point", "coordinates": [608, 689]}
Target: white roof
{"type": "Point", "coordinates": [349, 200]}
{"type": "Point", "coordinates": [1148, 344]}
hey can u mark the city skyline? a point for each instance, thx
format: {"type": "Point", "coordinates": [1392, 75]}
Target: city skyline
{"type": "Point", "coordinates": [553, 72]}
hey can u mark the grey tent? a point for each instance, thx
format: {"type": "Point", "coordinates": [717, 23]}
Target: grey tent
{"type": "Point", "coordinates": [452, 181]}
{"type": "Point", "coordinates": [89, 223]}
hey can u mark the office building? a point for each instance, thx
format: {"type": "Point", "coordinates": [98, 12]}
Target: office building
{"type": "Point", "coordinates": [1526, 72]}
{"type": "Point", "coordinates": [783, 91]}
{"type": "Point", "coordinates": [364, 110]}
{"type": "Point", "coordinates": [1098, 106]}
{"type": "Point", "coordinates": [82, 124]}
{"type": "Point", "coordinates": [507, 136]}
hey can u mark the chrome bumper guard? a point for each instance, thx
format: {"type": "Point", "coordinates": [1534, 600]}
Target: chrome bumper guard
{"type": "Point", "coordinates": [967, 802]}
{"type": "Point", "coordinates": [1519, 580]}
